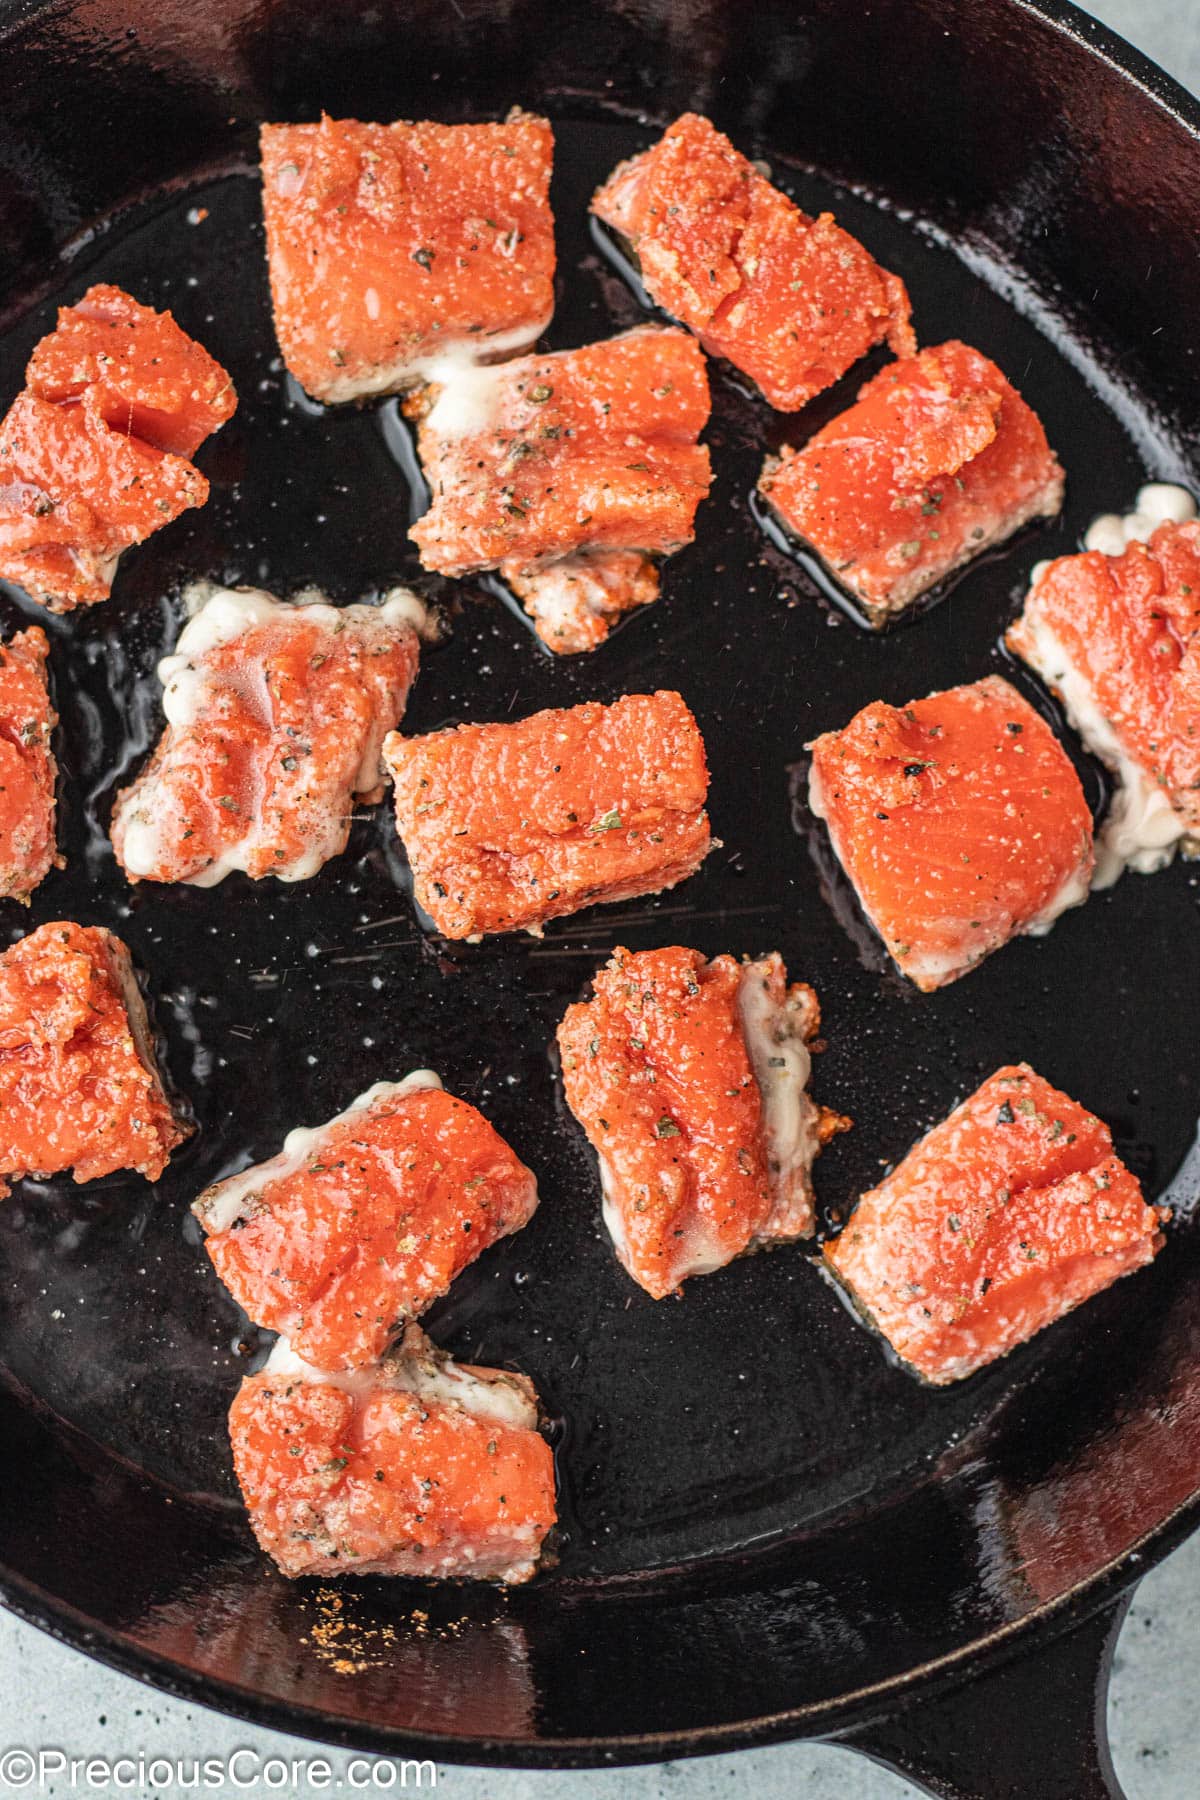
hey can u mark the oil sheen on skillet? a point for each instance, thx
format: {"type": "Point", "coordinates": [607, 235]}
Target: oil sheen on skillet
{"type": "Point", "coordinates": [755, 1406]}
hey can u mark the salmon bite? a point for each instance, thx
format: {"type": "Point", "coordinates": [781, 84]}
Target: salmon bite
{"type": "Point", "coordinates": [509, 826]}
{"type": "Point", "coordinates": [938, 460]}
{"type": "Point", "coordinates": [79, 1084]}
{"type": "Point", "coordinates": [28, 769]}
{"type": "Point", "coordinates": [1008, 1214]}
{"type": "Point", "coordinates": [397, 251]}
{"type": "Point", "coordinates": [363, 1222]}
{"type": "Point", "coordinates": [571, 474]}
{"type": "Point", "coordinates": [690, 1078]}
{"type": "Point", "coordinates": [94, 452]}
{"type": "Point", "coordinates": [1116, 634]}
{"type": "Point", "coordinates": [417, 1465]}
{"type": "Point", "coordinates": [791, 301]}
{"type": "Point", "coordinates": [276, 715]}
{"type": "Point", "coordinates": [960, 821]}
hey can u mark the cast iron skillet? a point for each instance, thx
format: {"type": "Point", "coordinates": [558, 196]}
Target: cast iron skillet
{"type": "Point", "coordinates": [768, 1530]}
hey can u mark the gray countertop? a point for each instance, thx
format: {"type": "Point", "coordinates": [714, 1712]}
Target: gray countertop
{"type": "Point", "coordinates": [54, 1698]}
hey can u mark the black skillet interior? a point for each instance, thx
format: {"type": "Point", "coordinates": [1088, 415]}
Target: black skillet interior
{"type": "Point", "coordinates": [760, 1514]}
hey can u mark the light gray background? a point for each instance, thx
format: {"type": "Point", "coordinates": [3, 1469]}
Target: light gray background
{"type": "Point", "coordinates": [53, 1696]}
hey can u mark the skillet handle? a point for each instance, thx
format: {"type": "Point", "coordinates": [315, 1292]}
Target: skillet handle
{"type": "Point", "coordinates": [1035, 1726]}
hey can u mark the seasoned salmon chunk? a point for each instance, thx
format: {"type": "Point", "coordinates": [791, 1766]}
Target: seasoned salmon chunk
{"type": "Point", "coordinates": [153, 381]}
{"type": "Point", "coordinates": [276, 715]}
{"type": "Point", "coordinates": [78, 1083]}
{"type": "Point", "coordinates": [394, 250]}
{"type": "Point", "coordinates": [569, 474]}
{"type": "Point", "coordinates": [416, 1466]}
{"type": "Point", "coordinates": [938, 459]}
{"type": "Point", "coordinates": [1117, 636]}
{"type": "Point", "coordinates": [575, 602]}
{"type": "Point", "coordinates": [94, 452]}
{"type": "Point", "coordinates": [960, 821]}
{"type": "Point", "coordinates": [365, 1221]}
{"type": "Point", "coordinates": [27, 766]}
{"type": "Point", "coordinates": [790, 301]}
{"type": "Point", "coordinates": [1006, 1216]}
{"type": "Point", "coordinates": [507, 826]}
{"type": "Point", "coordinates": [690, 1078]}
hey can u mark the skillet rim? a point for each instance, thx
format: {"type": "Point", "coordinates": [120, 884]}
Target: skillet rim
{"type": "Point", "coordinates": [825, 1719]}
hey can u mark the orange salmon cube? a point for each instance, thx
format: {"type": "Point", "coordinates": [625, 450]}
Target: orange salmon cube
{"type": "Point", "coordinates": [418, 1466]}
{"type": "Point", "coordinates": [568, 473]}
{"type": "Point", "coordinates": [1008, 1214]}
{"type": "Point", "coordinates": [690, 1078]}
{"type": "Point", "coordinates": [938, 460]}
{"type": "Point", "coordinates": [155, 382]}
{"type": "Point", "coordinates": [78, 1083]}
{"type": "Point", "coordinates": [575, 602]}
{"type": "Point", "coordinates": [276, 714]}
{"type": "Point", "coordinates": [1118, 639]}
{"type": "Point", "coordinates": [590, 449]}
{"type": "Point", "coordinates": [507, 826]}
{"type": "Point", "coordinates": [790, 301]}
{"type": "Point", "coordinates": [391, 247]}
{"type": "Point", "coordinates": [27, 766]}
{"type": "Point", "coordinates": [94, 451]}
{"type": "Point", "coordinates": [75, 494]}
{"type": "Point", "coordinates": [365, 1221]}
{"type": "Point", "coordinates": [960, 821]}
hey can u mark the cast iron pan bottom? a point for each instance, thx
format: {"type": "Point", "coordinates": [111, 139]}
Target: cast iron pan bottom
{"type": "Point", "coordinates": [745, 1462]}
